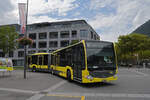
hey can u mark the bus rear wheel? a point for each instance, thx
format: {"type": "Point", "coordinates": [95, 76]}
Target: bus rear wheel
{"type": "Point", "coordinates": [68, 75]}
{"type": "Point", "coordinates": [52, 71]}
{"type": "Point", "coordinates": [34, 69]}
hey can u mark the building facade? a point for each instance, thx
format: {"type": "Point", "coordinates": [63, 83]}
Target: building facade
{"type": "Point", "coordinates": [49, 36]}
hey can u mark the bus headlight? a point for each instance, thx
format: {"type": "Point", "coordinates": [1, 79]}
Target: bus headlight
{"type": "Point", "coordinates": [89, 77]}
{"type": "Point", "coordinates": [116, 75]}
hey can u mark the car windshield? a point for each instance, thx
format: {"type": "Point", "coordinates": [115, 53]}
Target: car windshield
{"type": "Point", "coordinates": [100, 55]}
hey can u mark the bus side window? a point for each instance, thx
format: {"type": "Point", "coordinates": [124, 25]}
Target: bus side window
{"type": "Point", "coordinates": [57, 59]}
{"type": "Point", "coordinates": [45, 59]}
{"type": "Point", "coordinates": [29, 60]}
{"type": "Point", "coordinates": [73, 55]}
{"type": "Point", "coordinates": [53, 60]}
{"type": "Point", "coordinates": [69, 58]}
{"type": "Point", "coordinates": [63, 60]}
{"type": "Point", "coordinates": [80, 56]}
{"type": "Point", "coordinates": [34, 59]}
{"type": "Point", "coordinates": [40, 60]}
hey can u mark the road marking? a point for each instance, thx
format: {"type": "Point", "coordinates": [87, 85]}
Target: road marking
{"type": "Point", "coordinates": [18, 90]}
{"type": "Point", "coordinates": [67, 96]}
{"type": "Point", "coordinates": [39, 96]}
{"type": "Point", "coordinates": [139, 72]}
{"type": "Point", "coordinates": [133, 76]}
{"type": "Point", "coordinates": [82, 97]}
{"type": "Point", "coordinates": [103, 94]}
{"type": "Point", "coordinates": [55, 86]}
{"type": "Point", "coordinates": [36, 97]}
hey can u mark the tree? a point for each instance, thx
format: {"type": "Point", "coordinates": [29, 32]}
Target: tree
{"type": "Point", "coordinates": [8, 39]}
{"type": "Point", "coordinates": [133, 47]}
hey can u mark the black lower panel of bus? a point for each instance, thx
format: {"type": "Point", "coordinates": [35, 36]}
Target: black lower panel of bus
{"type": "Point", "coordinates": [102, 74]}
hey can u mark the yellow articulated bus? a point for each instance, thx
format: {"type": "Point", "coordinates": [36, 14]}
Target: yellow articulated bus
{"type": "Point", "coordinates": [86, 62]}
{"type": "Point", "coordinates": [39, 62]}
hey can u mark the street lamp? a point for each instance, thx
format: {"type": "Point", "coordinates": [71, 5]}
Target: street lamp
{"type": "Point", "coordinates": [25, 47]}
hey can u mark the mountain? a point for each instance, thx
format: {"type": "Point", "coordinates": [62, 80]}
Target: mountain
{"type": "Point", "coordinates": [143, 29]}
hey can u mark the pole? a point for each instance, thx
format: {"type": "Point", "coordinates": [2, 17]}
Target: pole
{"type": "Point", "coordinates": [25, 47]}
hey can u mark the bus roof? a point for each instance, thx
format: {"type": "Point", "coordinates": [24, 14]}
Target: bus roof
{"type": "Point", "coordinates": [67, 46]}
{"type": "Point", "coordinates": [40, 53]}
{"type": "Point", "coordinates": [80, 42]}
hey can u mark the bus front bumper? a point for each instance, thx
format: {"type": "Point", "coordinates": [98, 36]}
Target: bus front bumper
{"type": "Point", "coordinates": [96, 80]}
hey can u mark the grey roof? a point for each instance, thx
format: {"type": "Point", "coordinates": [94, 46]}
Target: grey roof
{"type": "Point", "coordinates": [58, 23]}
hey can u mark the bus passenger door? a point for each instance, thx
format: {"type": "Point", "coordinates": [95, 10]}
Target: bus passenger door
{"type": "Point", "coordinates": [77, 64]}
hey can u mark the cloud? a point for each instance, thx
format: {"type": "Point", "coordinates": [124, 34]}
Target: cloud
{"type": "Point", "coordinates": [6, 12]}
{"type": "Point", "coordinates": [40, 10]}
{"type": "Point", "coordinates": [129, 15]}
{"type": "Point", "coordinates": [51, 6]}
{"type": "Point", "coordinates": [110, 18]}
{"type": "Point", "coordinates": [96, 4]}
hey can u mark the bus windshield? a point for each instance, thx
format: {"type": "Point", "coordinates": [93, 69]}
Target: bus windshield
{"type": "Point", "coordinates": [100, 55]}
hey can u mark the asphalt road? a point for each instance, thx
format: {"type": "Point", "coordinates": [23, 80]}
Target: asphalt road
{"type": "Point", "coordinates": [132, 84]}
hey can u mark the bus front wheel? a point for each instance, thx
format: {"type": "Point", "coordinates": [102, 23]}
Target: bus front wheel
{"type": "Point", "coordinates": [68, 75]}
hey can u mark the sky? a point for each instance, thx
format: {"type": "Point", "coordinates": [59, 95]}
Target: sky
{"type": "Point", "coordinates": [109, 18]}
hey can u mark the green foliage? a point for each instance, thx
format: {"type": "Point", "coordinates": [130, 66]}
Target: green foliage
{"type": "Point", "coordinates": [8, 38]}
{"type": "Point", "coordinates": [133, 47]}
{"type": "Point", "coordinates": [25, 41]}
{"type": "Point", "coordinates": [145, 54]}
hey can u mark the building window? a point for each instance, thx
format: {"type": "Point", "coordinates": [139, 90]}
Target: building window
{"type": "Point", "coordinates": [94, 37]}
{"type": "Point", "coordinates": [64, 34]}
{"type": "Point", "coordinates": [97, 38]}
{"type": "Point", "coordinates": [53, 44]}
{"type": "Point", "coordinates": [91, 35]}
{"type": "Point", "coordinates": [74, 34]}
{"type": "Point", "coordinates": [18, 62]}
{"type": "Point", "coordinates": [51, 51]}
{"type": "Point", "coordinates": [64, 43]}
{"type": "Point", "coordinates": [21, 35]}
{"type": "Point", "coordinates": [43, 35]}
{"type": "Point", "coordinates": [42, 51]}
{"type": "Point", "coordinates": [20, 53]}
{"type": "Point", "coordinates": [53, 35]}
{"type": "Point", "coordinates": [32, 36]}
{"type": "Point", "coordinates": [83, 33]}
{"type": "Point", "coordinates": [2, 54]}
{"type": "Point", "coordinates": [11, 54]}
{"type": "Point", "coordinates": [20, 46]}
{"type": "Point", "coordinates": [31, 52]}
{"type": "Point", "coordinates": [42, 44]}
{"type": "Point", "coordinates": [33, 45]}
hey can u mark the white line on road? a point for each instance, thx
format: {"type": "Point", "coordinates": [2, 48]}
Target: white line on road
{"type": "Point", "coordinates": [39, 96]}
{"type": "Point", "coordinates": [55, 86]}
{"type": "Point", "coordinates": [103, 94]}
{"type": "Point", "coordinates": [36, 97]}
{"type": "Point", "coordinates": [139, 72]}
{"type": "Point", "coordinates": [18, 90]}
